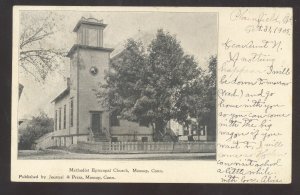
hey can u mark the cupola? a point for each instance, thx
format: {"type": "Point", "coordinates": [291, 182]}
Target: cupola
{"type": "Point", "coordinates": [90, 32]}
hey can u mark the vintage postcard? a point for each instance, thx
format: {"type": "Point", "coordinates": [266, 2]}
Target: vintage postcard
{"type": "Point", "coordinates": [152, 94]}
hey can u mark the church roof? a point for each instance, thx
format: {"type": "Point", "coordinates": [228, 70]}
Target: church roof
{"type": "Point", "coordinates": [62, 95]}
{"type": "Point", "coordinates": [76, 46]}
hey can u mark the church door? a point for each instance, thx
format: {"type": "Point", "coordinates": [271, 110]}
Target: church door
{"type": "Point", "coordinates": [96, 122]}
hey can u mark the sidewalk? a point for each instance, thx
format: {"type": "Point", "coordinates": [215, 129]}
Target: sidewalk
{"type": "Point", "coordinates": [62, 154]}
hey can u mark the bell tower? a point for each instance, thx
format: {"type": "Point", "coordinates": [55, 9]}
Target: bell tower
{"type": "Point", "coordinates": [90, 32]}
{"type": "Point", "coordinates": [89, 62]}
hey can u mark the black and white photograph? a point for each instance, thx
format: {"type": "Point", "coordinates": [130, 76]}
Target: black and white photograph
{"type": "Point", "coordinates": [117, 85]}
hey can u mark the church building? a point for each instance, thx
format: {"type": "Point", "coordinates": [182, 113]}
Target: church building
{"type": "Point", "coordinates": [78, 114]}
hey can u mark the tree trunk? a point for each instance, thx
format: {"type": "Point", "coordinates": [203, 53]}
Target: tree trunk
{"type": "Point", "coordinates": [159, 130]}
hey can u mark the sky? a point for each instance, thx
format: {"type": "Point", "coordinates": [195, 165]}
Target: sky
{"type": "Point", "coordinates": [197, 33]}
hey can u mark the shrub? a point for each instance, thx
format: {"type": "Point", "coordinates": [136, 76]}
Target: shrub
{"type": "Point", "coordinates": [37, 127]}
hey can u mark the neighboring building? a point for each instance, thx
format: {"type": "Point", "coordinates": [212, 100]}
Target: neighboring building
{"type": "Point", "coordinates": [78, 114]}
{"type": "Point", "coordinates": [21, 87]}
{"type": "Point", "coordinates": [22, 126]}
{"type": "Point", "coordinates": [194, 132]}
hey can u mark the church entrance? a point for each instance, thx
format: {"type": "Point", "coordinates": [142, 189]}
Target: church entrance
{"type": "Point", "coordinates": [96, 122]}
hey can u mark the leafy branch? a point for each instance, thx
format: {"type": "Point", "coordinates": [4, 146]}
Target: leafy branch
{"type": "Point", "coordinates": [36, 56]}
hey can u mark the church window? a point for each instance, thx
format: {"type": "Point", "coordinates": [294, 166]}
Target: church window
{"type": "Point", "coordinates": [144, 123]}
{"type": "Point", "coordinates": [144, 139]}
{"type": "Point", "coordinates": [65, 115]}
{"type": "Point", "coordinates": [93, 37]}
{"type": "Point", "coordinates": [55, 121]}
{"type": "Point", "coordinates": [79, 37]}
{"type": "Point", "coordinates": [114, 139]}
{"type": "Point", "coordinates": [71, 112]}
{"type": "Point", "coordinates": [114, 121]}
{"type": "Point", "coordinates": [59, 119]}
{"type": "Point", "coordinates": [93, 70]}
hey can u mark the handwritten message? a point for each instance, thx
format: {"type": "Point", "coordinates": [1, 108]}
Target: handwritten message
{"type": "Point", "coordinates": [255, 96]}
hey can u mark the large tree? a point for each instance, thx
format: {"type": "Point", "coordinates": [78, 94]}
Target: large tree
{"type": "Point", "coordinates": [38, 55]}
{"type": "Point", "coordinates": [154, 86]}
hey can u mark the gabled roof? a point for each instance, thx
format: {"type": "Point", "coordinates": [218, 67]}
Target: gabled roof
{"type": "Point", "coordinates": [117, 56]}
{"type": "Point", "coordinates": [62, 95]}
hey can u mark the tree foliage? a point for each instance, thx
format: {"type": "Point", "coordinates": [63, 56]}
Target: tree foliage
{"type": "Point", "coordinates": [204, 98]}
{"type": "Point", "coordinates": [36, 128]}
{"type": "Point", "coordinates": [155, 85]}
{"type": "Point", "coordinates": [37, 55]}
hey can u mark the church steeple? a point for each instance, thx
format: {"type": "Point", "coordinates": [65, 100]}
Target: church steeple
{"type": "Point", "coordinates": [89, 62]}
{"type": "Point", "coordinates": [90, 32]}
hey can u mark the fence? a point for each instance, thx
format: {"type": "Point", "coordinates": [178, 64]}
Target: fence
{"type": "Point", "coordinates": [147, 147]}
